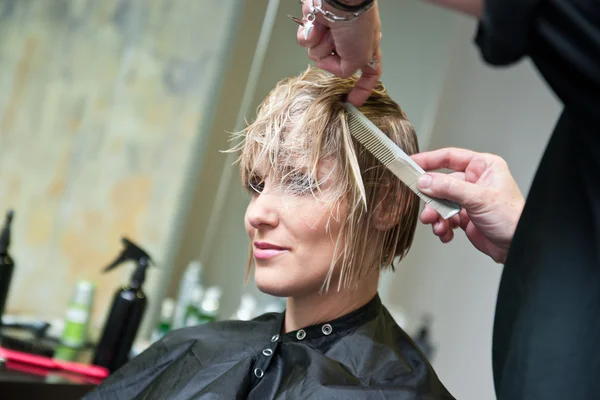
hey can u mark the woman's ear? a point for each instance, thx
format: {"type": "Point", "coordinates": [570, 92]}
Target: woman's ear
{"type": "Point", "coordinates": [387, 212]}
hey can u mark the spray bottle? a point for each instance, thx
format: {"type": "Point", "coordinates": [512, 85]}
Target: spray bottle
{"type": "Point", "coordinates": [125, 316]}
{"type": "Point", "coordinates": [423, 338]}
{"type": "Point", "coordinates": [7, 265]}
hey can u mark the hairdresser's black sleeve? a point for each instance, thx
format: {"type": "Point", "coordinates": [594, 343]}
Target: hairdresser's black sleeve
{"type": "Point", "coordinates": [546, 341]}
{"type": "Point", "coordinates": [562, 38]}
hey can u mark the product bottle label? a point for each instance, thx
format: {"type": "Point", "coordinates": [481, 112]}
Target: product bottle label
{"type": "Point", "coordinates": [74, 333]}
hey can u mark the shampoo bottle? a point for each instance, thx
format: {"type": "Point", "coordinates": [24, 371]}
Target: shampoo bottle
{"type": "Point", "coordinates": [210, 307]}
{"type": "Point", "coordinates": [165, 321]}
{"type": "Point", "coordinates": [127, 310]}
{"type": "Point", "coordinates": [193, 314]}
{"type": "Point", "coordinates": [6, 263]}
{"type": "Point", "coordinates": [75, 332]}
{"type": "Point", "coordinates": [192, 278]}
{"type": "Point", "coordinates": [423, 338]}
{"type": "Point", "coordinates": [247, 309]}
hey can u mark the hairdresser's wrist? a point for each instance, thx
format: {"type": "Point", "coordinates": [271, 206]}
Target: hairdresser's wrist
{"type": "Point", "coordinates": [470, 7]}
{"type": "Point", "coordinates": [348, 3]}
{"type": "Point", "coordinates": [343, 8]}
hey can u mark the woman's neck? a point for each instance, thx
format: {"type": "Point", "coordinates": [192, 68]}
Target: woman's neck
{"type": "Point", "coordinates": [322, 307]}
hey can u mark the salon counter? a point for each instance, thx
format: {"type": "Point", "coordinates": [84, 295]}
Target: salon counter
{"type": "Point", "coordinates": [22, 383]}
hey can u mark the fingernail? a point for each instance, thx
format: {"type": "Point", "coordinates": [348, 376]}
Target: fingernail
{"type": "Point", "coordinates": [424, 181]}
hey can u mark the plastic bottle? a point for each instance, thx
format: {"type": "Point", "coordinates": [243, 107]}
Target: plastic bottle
{"type": "Point", "coordinates": [78, 315]}
{"type": "Point", "coordinates": [193, 315]}
{"type": "Point", "coordinates": [277, 305]}
{"type": "Point", "coordinates": [423, 338]}
{"type": "Point", "coordinates": [191, 279]}
{"type": "Point", "coordinates": [125, 316]}
{"type": "Point", "coordinates": [7, 264]}
{"type": "Point", "coordinates": [247, 309]}
{"type": "Point", "coordinates": [165, 321]}
{"type": "Point", "coordinates": [210, 306]}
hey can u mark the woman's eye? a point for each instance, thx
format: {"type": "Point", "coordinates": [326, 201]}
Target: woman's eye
{"type": "Point", "coordinates": [300, 183]}
{"type": "Point", "coordinates": [255, 187]}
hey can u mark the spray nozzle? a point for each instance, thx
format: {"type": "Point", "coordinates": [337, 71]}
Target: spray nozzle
{"type": "Point", "coordinates": [5, 237]}
{"type": "Point", "coordinates": [132, 252]}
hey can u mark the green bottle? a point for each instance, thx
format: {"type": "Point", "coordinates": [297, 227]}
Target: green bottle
{"type": "Point", "coordinates": [166, 320]}
{"type": "Point", "coordinates": [209, 308]}
{"type": "Point", "coordinates": [192, 311]}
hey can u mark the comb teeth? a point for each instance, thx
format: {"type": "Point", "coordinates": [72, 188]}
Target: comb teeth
{"type": "Point", "coordinates": [396, 160]}
{"type": "Point", "coordinates": [374, 143]}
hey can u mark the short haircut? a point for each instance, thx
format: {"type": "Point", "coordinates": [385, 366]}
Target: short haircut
{"type": "Point", "coordinates": [301, 122]}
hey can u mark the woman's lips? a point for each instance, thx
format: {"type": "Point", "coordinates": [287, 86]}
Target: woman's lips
{"type": "Point", "coordinates": [266, 251]}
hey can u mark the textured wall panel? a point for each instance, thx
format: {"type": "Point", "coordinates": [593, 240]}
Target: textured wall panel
{"type": "Point", "coordinates": [100, 103]}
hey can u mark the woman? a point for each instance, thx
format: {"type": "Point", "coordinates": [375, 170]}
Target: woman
{"type": "Point", "coordinates": [324, 219]}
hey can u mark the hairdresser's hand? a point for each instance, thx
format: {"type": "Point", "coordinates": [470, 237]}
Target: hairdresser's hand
{"type": "Point", "coordinates": [343, 48]}
{"type": "Point", "coordinates": [483, 185]}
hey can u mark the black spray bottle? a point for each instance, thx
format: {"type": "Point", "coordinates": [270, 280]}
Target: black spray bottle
{"type": "Point", "coordinates": [7, 265]}
{"type": "Point", "coordinates": [126, 313]}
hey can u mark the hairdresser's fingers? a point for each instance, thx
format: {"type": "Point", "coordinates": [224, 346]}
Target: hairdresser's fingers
{"type": "Point", "coordinates": [455, 221]}
{"type": "Point", "coordinates": [367, 81]}
{"type": "Point", "coordinates": [459, 175]}
{"type": "Point", "coordinates": [323, 49]}
{"type": "Point", "coordinates": [441, 227]}
{"type": "Point", "coordinates": [464, 219]}
{"type": "Point", "coordinates": [429, 215]}
{"type": "Point", "coordinates": [452, 158]}
{"type": "Point", "coordinates": [443, 230]}
{"type": "Point", "coordinates": [438, 228]}
{"type": "Point", "coordinates": [316, 33]}
{"type": "Point", "coordinates": [315, 36]}
{"type": "Point", "coordinates": [447, 237]}
{"type": "Point", "coordinates": [331, 63]}
{"type": "Point", "coordinates": [468, 195]}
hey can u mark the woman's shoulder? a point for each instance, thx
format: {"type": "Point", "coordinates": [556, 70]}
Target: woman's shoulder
{"type": "Point", "coordinates": [182, 353]}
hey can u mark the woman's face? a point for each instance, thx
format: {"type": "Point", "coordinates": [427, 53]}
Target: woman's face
{"type": "Point", "coordinates": [293, 231]}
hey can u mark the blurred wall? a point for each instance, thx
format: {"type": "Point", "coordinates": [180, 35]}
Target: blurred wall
{"type": "Point", "coordinates": [100, 104]}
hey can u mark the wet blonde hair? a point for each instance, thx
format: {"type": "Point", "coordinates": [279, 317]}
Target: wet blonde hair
{"type": "Point", "coordinates": [302, 122]}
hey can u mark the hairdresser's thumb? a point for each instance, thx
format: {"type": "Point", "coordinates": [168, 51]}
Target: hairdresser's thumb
{"type": "Point", "coordinates": [444, 186]}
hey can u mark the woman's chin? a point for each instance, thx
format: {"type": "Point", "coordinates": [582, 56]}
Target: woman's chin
{"type": "Point", "coordinates": [274, 290]}
{"type": "Point", "coordinates": [280, 283]}
{"type": "Point", "coordinates": [269, 284]}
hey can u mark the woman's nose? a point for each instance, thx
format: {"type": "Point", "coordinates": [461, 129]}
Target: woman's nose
{"type": "Point", "coordinates": [262, 210]}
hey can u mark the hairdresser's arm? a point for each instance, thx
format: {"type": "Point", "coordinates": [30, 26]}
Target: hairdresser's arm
{"type": "Point", "coordinates": [354, 43]}
{"type": "Point", "coordinates": [473, 8]}
{"type": "Point", "coordinates": [483, 185]}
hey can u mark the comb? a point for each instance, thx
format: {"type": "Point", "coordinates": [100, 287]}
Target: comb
{"type": "Point", "coordinates": [394, 159]}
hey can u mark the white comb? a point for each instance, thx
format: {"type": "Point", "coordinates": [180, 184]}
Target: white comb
{"type": "Point", "coordinates": [396, 160]}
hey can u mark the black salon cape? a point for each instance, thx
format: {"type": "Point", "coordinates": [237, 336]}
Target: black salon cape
{"type": "Point", "coordinates": [363, 355]}
{"type": "Point", "coordinates": [547, 328]}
